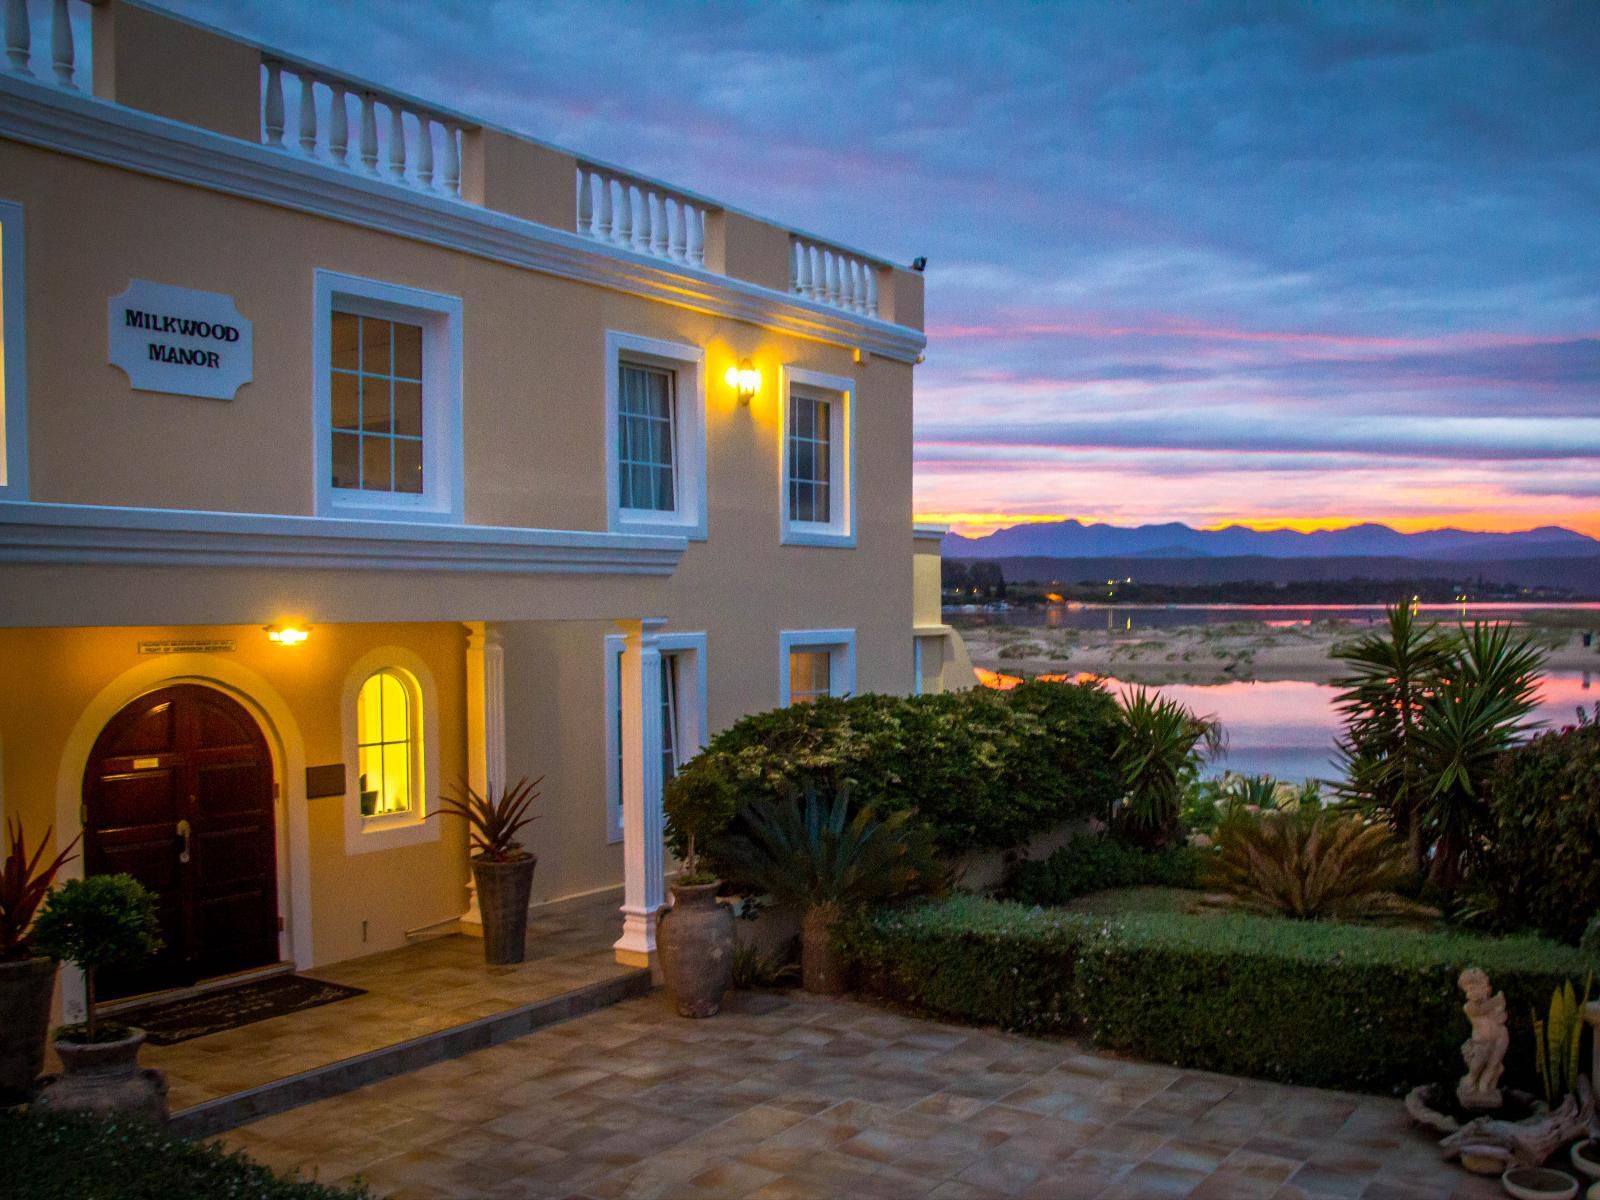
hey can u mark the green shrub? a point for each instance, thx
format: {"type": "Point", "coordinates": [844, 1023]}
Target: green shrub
{"type": "Point", "coordinates": [1324, 1004]}
{"type": "Point", "coordinates": [1540, 868]}
{"type": "Point", "coordinates": [60, 1156]}
{"type": "Point", "coordinates": [1093, 863]}
{"type": "Point", "coordinates": [984, 769]}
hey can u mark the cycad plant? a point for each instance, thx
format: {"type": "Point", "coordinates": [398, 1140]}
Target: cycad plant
{"type": "Point", "coordinates": [812, 852]}
{"type": "Point", "coordinates": [1160, 747]}
{"type": "Point", "coordinates": [1308, 864]}
{"type": "Point", "coordinates": [1390, 674]}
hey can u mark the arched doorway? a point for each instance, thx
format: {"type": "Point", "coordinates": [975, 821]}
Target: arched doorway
{"type": "Point", "coordinates": [178, 793]}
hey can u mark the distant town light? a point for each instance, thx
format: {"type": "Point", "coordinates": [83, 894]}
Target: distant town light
{"type": "Point", "coordinates": [745, 380]}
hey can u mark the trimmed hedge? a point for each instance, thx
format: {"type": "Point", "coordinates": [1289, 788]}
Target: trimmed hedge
{"type": "Point", "coordinates": [65, 1156]}
{"type": "Point", "coordinates": [985, 769]}
{"type": "Point", "coordinates": [1094, 863]}
{"type": "Point", "coordinates": [1540, 867]}
{"type": "Point", "coordinates": [1322, 1004]}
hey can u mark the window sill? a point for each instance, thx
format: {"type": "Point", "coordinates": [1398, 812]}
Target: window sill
{"type": "Point", "coordinates": [817, 535]}
{"type": "Point", "coordinates": [391, 831]}
{"type": "Point", "coordinates": [645, 521]}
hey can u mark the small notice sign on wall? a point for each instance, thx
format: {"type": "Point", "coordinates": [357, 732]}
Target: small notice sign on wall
{"type": "Point", "coordinates": [188, 646]}
{"type": "Point", "coordinates": [176, 340]}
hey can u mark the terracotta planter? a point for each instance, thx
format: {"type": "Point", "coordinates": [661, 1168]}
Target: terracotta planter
{"type": "Point", "coordinates": [696, 940]}
{"type": "Point", "coordinates": [823, 969]}
{"type": "Point", "coordinates": [25, 988]}
{"type": "Point", "coordinates": [503, 891]}
{"type": "Point", "coordinates": [105, 1077]}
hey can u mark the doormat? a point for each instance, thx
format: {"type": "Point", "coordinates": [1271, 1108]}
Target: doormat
{"type": "Point", "coordinates": [168, 1022]}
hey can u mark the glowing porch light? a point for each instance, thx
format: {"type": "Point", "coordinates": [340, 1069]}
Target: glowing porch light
{"type": "Point", "coordinates": [287, 635]}
{"type": "Point", "coordinates": [745, 380]}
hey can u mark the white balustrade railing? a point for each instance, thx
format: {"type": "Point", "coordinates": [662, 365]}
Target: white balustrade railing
{"type": "Point", "coordinates": [52, 34]}
{"type": "Point", "coordinates": [636, 214]}
{"type": "Point", "coordinates": [417, 147]}
{"type": "Point", "coordinates": [829, 275]}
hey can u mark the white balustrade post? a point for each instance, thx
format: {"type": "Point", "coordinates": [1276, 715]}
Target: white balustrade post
{"type": "Point", "coordinates": [831, 278]}
{"type": "Point", "coordinates": [397, 143]}
{"type": "Point", "coordinates": [61, 53]}
{"type": "Point", "coordinates": [338, 128]}
{"type": "Point", "coordinates": [424, 151]}
{"type": "Point", "coordinates": [369, 134]}
{"type": "Point", "coordinates": [622, 231]}
{"type": "Point", "coordinates": [697, 236]}
{"type": "Point", "coordinates": [801, 268]}
{"type": "Point", "coordinates": [452, 161]}
{"type": "Point", "coordinates": [678, 234]}
{"type": "Point", "coordinates": [19, 37]}
{"type": "Point", "coordinates": [585, 202]}
{"type": "Point", "coordinates": [272, 120]}
{"type": "Point", "coordinates": [643, 826]}
{"type": "Point", "coordinates": [847, 283]}
{"type": "Point", "coordinates": [658, 225]}
{"type": "Point", "coordinates": [486, 731]}
{"type": "Point", "coordinates": [818, 289]}
{"type": "Point", "coordinates": [605, 214]}
{"type": "Point", "coordinates": [872, 290]}
{"type": "Point", "coordinates": [308, 117]}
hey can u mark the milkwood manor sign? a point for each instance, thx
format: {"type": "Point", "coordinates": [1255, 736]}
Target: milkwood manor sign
{"type": "Point", "coordinates": [180, 341]}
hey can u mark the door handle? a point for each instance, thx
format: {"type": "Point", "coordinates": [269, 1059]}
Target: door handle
{"type": "Point", "coordinates": [183, 832]}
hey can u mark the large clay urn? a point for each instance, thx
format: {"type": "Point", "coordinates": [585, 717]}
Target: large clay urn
{"type": "Point", "coordinates": [823, 969]}
{"type": "Point", "coordinates": [105, 1077]}
{"type": "Point", "coordinates": [696, 939]}
{"type": "Point", "coordinates": [25, 987]}
{"type": "Point", "coordinates": [503, 892]}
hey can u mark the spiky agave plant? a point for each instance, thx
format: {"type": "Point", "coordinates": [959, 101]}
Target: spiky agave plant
{"type": "Point", "coordinates": [811, 851]}
{"type": "Point", "coordinates": [1557, 1042]}
{"type": "Point", "coordinates": [494, 819]}
{"type": "Point", "coordinates": [1160, 745]}
{"type": "Point", "coordinates": [1308, 864]}
{"type": "Point", "coordinates": [25, 881]}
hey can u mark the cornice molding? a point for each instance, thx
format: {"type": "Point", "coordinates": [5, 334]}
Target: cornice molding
{"type": "Point", "coordinates": [98, 130]}
{"type": "Point", "coordinates": [76, 534]}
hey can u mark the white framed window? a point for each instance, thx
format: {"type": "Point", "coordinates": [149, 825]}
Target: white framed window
{"type": "Point", "coordinates": [816, 499]}
{"type": "Point", "coordinates": [655, 436]}
{"type": "Point", "coordinates": [683, 712]}
{"type": "Point", "coordinates": [13, 358]}
{"type": "Point", "coordinates": [391, 729]}
{"type": "Point", "coordinates": [386, 400]}
{"type": "Point", "coordinates": [815, 662]}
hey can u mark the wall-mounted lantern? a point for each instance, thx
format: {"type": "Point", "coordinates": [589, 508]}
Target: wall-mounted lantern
{"type": "Point", "coordinates": [288, 635]}
{"type": "Point", "coordinates": [745, 380]}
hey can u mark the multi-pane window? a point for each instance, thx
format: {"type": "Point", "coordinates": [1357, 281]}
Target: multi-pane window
{"type": "Point", "coordinates": [646, 446]}
{"type": "Point", "coordinates": [385, 744]}
{"type": "Point", "coordinates": [809, 453]}
{"type": "Point", "coordinates": [375, 391]}
{"type": "Point", "coordinates": [810, 675]}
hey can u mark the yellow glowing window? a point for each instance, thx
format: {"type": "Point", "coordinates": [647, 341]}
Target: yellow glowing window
{"type": "Point", "coordinates": [385, 744]}
{"type": "Point", "coordinates": [810, 675]}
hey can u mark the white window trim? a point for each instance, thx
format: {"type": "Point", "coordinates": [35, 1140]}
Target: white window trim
{"type": "Point", "coordinates": [362, 835]}
{"type": "Point", "coordinates": [841, 529]}
{"type": "Point", "coordinates": [693, 730]}
{"type": "Point", "coordinates": [442, 468]}
{"type": "Point", "coordinates": [14, 431]}
{"type": "Point", "coordinates": [841, 647]}
{"type": "Point", "coordinates": [689, 475]}
{"type": "Point", "coordinates": [916, 666]}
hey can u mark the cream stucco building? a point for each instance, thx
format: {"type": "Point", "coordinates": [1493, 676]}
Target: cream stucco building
{"type": "Point", "coordinates": [353, 447]}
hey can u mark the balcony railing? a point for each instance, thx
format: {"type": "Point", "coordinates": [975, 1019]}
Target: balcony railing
{"type": "Point", "coordinates": [307, 110]}
{"type": "Point", "coordinates": [833, 276]}
{"type": "Point", "coordinates": [47, 47]}
{"type": "Point", "coordinates": [640, 215]}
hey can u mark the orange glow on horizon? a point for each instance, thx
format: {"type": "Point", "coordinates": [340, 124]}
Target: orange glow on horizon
{"type": "Point", "coordinates": [981, 523]}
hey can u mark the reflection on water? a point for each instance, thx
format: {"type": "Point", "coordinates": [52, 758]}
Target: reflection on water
{"type": "Point", "coordinates": [1127, 617]}
{"type": "Point", "coordinates": [1286, 728]}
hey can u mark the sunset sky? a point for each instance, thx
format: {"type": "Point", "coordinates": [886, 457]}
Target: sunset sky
{"type": "Point", "coordinates": [1283, 264]}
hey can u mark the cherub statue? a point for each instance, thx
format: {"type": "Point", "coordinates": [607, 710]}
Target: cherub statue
{"type": "Point", "coordinates": [1485, 1051]}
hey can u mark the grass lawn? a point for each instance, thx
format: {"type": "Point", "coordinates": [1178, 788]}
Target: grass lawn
{"type": "Point", "coordinates": [1117, 901]}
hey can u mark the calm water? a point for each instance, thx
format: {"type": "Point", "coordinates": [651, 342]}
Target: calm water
{"type": "Point", "coordinates": [1286, 728]}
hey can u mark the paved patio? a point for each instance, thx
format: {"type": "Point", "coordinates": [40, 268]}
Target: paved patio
{"type": "Point", "coordinates": [790, 1097]}
{"type": "Point", "coordinates": [415, 990]}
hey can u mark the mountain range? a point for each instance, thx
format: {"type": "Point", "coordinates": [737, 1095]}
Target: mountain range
{"type": "Point", "coordinates": [1077, 539]}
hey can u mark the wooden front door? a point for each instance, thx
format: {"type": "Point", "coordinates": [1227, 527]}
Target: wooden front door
{"type": "Point", "coordinates": [178, 794]}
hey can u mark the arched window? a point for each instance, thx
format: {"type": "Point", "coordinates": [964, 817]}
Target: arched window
{"type": "Point", "coordinates": [387, 722]}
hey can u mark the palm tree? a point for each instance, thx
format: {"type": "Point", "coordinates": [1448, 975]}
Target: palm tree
{"type": "Point", "coordinates": [1160, 744]}
{"type": "Point", "coordinates": [1390, 677]}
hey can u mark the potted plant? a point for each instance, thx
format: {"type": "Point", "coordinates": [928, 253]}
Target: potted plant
{"type": "Point", "coordinates": [27, 977]}
{"type": "Point", "coordinates": [501, 868]}
{"type": "Point", "coordinates": [101, 921]}
{"type": "Point", "coordinates": [696, 934]}
{"type": "Point", "coordinates": [814, 854]}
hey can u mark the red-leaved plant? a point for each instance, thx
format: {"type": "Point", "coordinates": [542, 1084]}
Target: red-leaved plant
{"type": "Point", "coordinates": [495, 820]}
{"type": "Point", "coordinates": [24, 884]}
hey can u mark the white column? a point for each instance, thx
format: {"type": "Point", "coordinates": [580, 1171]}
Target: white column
{"type": "Point", "coordinates": [486, 732]}
{"type": "Point", "coordinates": [643, 829]}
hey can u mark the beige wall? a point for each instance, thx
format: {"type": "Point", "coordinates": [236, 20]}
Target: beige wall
{"type": "Point", "coordinates": [926, 606]}
{"type": "Point", "coordinates": [51, 678]}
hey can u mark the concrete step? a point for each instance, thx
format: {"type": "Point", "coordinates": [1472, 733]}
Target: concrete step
{"type": "Point", "coordinates": [227, 1112]}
